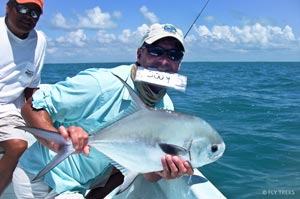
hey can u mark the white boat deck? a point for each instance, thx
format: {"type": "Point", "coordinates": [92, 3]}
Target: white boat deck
{"type": "Point", "coordinates": [195, 187]}
{"type": "Point", "coordinates": [186, 187]}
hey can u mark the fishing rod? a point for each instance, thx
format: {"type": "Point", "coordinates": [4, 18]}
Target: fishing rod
{"type": "Point", "coordinates": [196, 18]}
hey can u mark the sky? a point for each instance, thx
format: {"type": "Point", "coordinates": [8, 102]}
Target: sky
{"type": "Point", "coordinates": [89, 31]}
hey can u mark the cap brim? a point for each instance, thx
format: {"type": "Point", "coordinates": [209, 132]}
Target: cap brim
{"type": "Point", "coordinates": [151, 40]}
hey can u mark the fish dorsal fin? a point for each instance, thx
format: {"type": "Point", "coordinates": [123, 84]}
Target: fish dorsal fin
{"type": "Point", "coordinates": [136, 105]}
{"type": "Point", "coordinates": [172, 149]}
{"type": "Point", "coordinates": [136, 101]}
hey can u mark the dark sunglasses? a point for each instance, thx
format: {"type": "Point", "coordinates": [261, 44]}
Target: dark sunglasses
{"type": "Point", "coordinates": [24, 10]}
{"type": "Point", "coordinates": [156, 51]}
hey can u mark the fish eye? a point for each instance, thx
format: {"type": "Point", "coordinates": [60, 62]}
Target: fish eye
{"type": "Point", "coordinates": [214, 148]}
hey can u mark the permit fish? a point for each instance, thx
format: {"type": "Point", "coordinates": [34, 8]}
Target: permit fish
{"type": "Point", "coordinates": [136, 142]}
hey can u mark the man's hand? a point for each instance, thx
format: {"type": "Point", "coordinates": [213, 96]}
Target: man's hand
{"type": "Point", "coordinates": [40, 118]}
{"type": "Point", "coordinates": [173, 167]}
{"type": "Point", "coordinates": [78, 136]}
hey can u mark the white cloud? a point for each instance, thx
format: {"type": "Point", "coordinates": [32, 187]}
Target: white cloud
{"type": "Point", "coordinates": [133, 37]}
{"type": "Point", "coordinates": [52, 50]}
{"type": "Point", "coordinates": [141, 30]}
{"type": "Point", "coordinates": [150, 16]}
{"type": "Point", "coordinates": [104, 37]}
{"type": "Point", "coordinates": [60, 21]}
{"type": "Point", "coordinates": [255, 36]}
{"type": "Point", "coordinates": [60, 39]}
{"type": "Point", "coordinates": [94, 19]}
{"type": "Point", "coordinates": [78, 38]}
{"type": "Point", "coordinates": [203, 31]}
{"type": "Point", "coordinates": [217, 40]}
{"type": "Point", "coordinates": [75, 38]}
{"type": "Point", "coordinates": [125, 36]}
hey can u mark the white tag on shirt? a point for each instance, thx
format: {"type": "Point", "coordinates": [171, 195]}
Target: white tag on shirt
{"type": "Point", "coordinates": [172, 80]}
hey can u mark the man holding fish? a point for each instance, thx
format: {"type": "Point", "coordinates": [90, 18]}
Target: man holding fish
{"type": "Point", "coordinates": [79, 105]}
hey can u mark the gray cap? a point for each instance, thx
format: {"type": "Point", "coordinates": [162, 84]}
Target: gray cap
{"type": "Point", "coordinates": [159, 31]}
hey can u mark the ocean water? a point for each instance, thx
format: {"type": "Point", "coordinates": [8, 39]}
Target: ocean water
{"type": "Point", "coordinates": [255, 106]}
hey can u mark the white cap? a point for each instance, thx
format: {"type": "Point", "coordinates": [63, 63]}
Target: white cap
{"type": "Point", "coordinates": [159, 31]}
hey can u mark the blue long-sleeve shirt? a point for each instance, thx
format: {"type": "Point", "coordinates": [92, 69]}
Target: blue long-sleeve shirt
{"type": "Point", "coordinates": [88, 100]}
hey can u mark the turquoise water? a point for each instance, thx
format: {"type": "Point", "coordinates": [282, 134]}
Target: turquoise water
{"type": "Point", "coordinates": [255, 106]}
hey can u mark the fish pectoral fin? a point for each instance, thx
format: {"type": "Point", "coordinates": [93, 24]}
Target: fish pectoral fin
{"type": "Point", "coordinates": [129, 178]}
{"type": "Point", "coordinates": [66, 151]}
{"type": "Point", "coordinates": [172, 149]}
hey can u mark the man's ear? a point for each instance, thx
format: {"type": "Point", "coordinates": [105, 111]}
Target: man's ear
{"type": "Point", "coordinates": [7, 8]}
{"type": "Point", "coordinates": [138, 54]}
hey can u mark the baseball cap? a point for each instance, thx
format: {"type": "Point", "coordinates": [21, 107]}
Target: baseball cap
{"type": "Point", "coordinates": [38, 2]}
{"type": "Point", "coordinates": [159, 31]}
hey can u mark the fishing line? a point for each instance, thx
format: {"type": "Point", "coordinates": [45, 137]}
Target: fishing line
{"type": "Point", "coordinates": [196, 18]}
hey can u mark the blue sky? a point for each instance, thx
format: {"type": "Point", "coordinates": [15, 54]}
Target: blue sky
{"type": "Point", "coordinates": [228, 30]}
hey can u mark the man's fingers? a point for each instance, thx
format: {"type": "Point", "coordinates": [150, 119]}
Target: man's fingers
{"type": "Point", "coordinates": [86, 150]}
{"type": "Point", "coordinates": [78, 136]}
{"type": "Point", "coordinates": [75, 136]}
{"type": "Point", "coordinates": [171, 163]}
{"type": "Point", "coordinates": [190, 170]}
{"type": "Point", "coordinates": [165, 164]}
{"type": "Point", "coordinates": [64, 133]}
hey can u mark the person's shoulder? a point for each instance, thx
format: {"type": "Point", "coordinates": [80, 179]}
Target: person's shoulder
{"type": "Point", "coordinates": [2, 25]}
{"type": "Point", "coordinates": [2, 19]}
{"type": "Point", "coordinates": [106, 76]}
{"type": "Point", "coordinates": [122, 71]}
{"type": "Point", "coordinates": [99, 74]}
{"type": "Point", "coordinates": [41, 35]}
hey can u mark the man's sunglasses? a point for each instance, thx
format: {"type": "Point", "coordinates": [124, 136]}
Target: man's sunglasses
{"type": "Point", "coordinates": [24, 10]}
{"type": "Point", "coordinates": [156, 51]}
